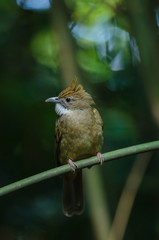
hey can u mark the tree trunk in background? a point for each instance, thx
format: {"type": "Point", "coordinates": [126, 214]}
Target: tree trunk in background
{"type": "Point", "coordinates": [69, 68]}
{"type": "Point", "coordinates": [67, 58]}
{"type": "Point", "coordinates": [144, 28]}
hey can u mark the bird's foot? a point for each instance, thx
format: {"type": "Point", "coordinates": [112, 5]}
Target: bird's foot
{"type": "Point", "coordinates": [73, 165]}
{"type": "Point", "coordinates": [100, 158]}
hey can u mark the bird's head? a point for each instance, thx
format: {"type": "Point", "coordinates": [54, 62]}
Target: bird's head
{"type": "Point", "coordinates": [72, 98]}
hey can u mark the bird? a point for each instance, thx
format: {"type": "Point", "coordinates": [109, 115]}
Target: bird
{"type": "Point", "coordinates": [78, 135]}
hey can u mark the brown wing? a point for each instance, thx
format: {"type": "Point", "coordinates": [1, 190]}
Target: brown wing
{"type": "Point", "coordinates": [58, 137]}
{"type": "Point", "coordinates": [98, 117]}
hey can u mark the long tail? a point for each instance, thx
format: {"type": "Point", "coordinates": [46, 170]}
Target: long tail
{"type": "Point", "coordinates": [73, 202]}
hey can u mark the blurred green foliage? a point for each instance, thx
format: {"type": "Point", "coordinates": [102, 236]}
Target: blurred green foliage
{"type": "Point", "coordinates": [109, 61]}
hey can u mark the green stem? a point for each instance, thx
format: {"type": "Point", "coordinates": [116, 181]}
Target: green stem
{"type": "Point", "coordinates": [124, 152]}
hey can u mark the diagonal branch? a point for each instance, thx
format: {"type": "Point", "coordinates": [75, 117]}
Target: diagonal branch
{"type": "Point", "coordinates": [124, 152]}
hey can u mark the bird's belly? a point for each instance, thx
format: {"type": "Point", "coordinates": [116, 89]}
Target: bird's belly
{"type": "Point", "coordinates": [79, 143]}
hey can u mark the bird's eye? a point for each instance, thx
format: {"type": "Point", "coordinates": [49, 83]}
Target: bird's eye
{"type": "Point", "coordinates": [68, 99]}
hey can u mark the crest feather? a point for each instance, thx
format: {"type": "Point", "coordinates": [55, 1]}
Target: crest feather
{"type": "Point", "coordinates": [77, 92]}
{"type": "Point", "coordinates": [79, 88]}
{"type": "Point", "coordinates": [69, 90]}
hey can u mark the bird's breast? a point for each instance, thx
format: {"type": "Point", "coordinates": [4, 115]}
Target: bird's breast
{"type": "Point", "coordinates": [81, 135]}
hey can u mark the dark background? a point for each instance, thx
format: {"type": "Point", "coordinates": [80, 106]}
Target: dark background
{"type": "Point", "coordinates": [113, 48]}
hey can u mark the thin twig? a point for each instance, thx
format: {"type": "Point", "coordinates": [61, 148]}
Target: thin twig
{"type": "Point", "coordinates": [124, 152]}
{"type": "Point", "coordinates": [128, 196]}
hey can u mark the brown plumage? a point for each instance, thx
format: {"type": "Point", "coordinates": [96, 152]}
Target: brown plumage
{"type": "Point", "coordinates": [78, 135]}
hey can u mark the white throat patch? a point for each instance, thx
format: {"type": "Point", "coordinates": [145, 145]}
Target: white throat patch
{"type": "Point", "coordinates": [60, 110]}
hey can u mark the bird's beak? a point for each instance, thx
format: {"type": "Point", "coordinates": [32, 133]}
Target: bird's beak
{"type": "Point", "coordinates": [52, 99]}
